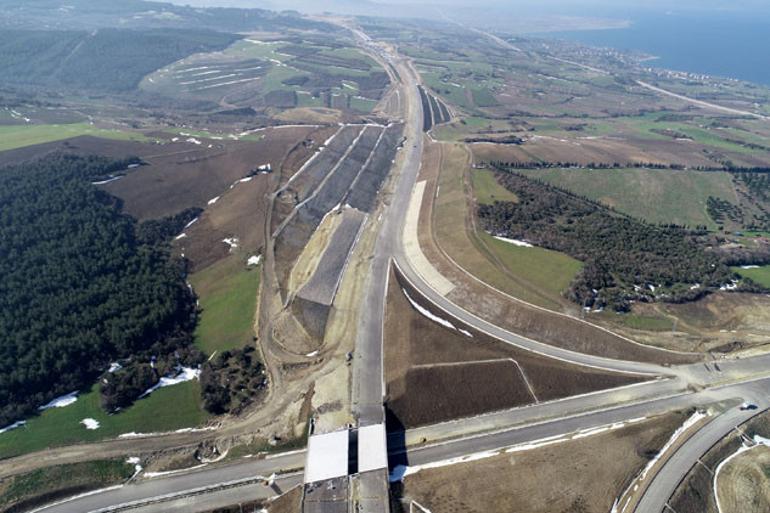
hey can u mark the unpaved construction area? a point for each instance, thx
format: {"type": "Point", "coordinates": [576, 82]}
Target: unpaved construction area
{"type": "Point", "coordinates": [437, 369]}
{"type": "Point", "coordinates": [349, 169]}
{"type": "Point", "coordinates": [579, 474]}
{"type": "Point", "coordinates": [236, 221]}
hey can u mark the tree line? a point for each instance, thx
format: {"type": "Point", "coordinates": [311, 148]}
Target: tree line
{"type": "Point", "coordinates": [79, 288]}
{"type": "Point", "coordinates": [624, 259]}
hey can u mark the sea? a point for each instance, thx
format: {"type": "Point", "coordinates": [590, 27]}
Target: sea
{"type": "Point", "coordinates": [720, 44]}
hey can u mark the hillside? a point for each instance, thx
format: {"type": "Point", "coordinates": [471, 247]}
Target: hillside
{"type": "Point", "coordinates": [105, 60]}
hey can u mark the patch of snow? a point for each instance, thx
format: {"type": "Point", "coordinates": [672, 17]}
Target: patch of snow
{"type": "Point", "coordinates": [254, 260]}
{"type": "Point", "coordinates": [191, 223]}
{"type": "Point", "coordinates": [174, 139]}
{"type": "Point", "coordinates": [695, 287]}
{"type": "Point", "coordinates": [401, 471]}
{"type": "Point", "coordinates": [691, 421]}
{"type": "Point", "coordinates": [730, 286]}
{"type": "Point", "coordinates": [193, 140]}
{"type": "Point", "coordinates": [195, 430]}
{"type": "Point", "coordinates": [114, 367]}
{"type": "Point", "coordinates": [231, 241]}
{"type": "Point", "coordinates": [749, 267]}
{"type": "Point", "coordinates": [90, 423]}
{"type": "Point", "coordinates": [213, 200]}
{"type": "Point", "coordinates": [312, 354]}
{"type": "Point", "coordinates": [134, 434]}
{"type": "Point", "coordinates": [180, 236]}
{"type": "Point", "coordinates": [181, 375]}
{"type": "Point", "coordinates": [515, 242]}
{"type": "Point", "coordinates": [137, 463]}
{"type": "Point", "coordinates": [61, 402]}
{"type": "Point", "coordinates": [466, 333]}
{"type": "Point", "coordinates": [538, 443]}
{"type": "Point", "coordinates": [425, 312]}
{"type": "Point", "coordinates": [11, 427]}
{"type": "Point", "coordinates": [102, 182]}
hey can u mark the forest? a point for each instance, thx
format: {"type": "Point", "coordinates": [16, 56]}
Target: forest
{"type": "Point", "coordinates": [78, 288]}
{"type": "Point", "coordinates": [625, 259]}
{"type": "Point", "coordinates": [105, 60]}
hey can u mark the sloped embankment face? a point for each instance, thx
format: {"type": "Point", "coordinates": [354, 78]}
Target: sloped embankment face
{"type": "Point", "coordinates": [343, 182]}
{"type": "Point", "coordinates": [439, 369]}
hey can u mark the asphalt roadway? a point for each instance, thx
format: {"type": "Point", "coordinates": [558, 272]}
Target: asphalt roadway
{"type": "Point", "coordinates": [220, 485]}
{"type": "Point", "coordinates": [368, 381]}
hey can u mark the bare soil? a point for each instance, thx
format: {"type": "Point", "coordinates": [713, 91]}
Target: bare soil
{"type": "Point", "coordinates": [579, 476]}
{"type": "Point", "coordinates": [289, 502]}
{"type": "Point", "coordinates": [240, 214]}
{"type": "Point", "coordinates": [434, 373]}
{"type": "Point", "coordinates": [182, 175]}
{"type": "Point", "coordinates": [445, 392]}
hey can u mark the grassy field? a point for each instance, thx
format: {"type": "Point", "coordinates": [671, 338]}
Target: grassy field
{"type": "Point", "coordinates": [521, 273]}
{"type": "Point", "coordinates": [228, 301]}
{"type": "Point", "coordinates": [166, 409]}
{"type": "Point", "coordinates": [657, 196]}
{"type": "Point", "coordinates": [62, 480]}
{"type": "Point", "coordinates": [487, 190]}
{"type": "Point", "coordinates": [760, 275]}
{"type": "Point", "coordinates": [18, 136]}
{"type": "Point", "coordinates": [548, 270]}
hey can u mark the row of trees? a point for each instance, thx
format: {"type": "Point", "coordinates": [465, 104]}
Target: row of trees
{"type": "Point", "coordinates": [531, 164]}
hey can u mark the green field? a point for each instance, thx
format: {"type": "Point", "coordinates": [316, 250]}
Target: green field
{"type": "Point", "coordinates": [760, 275]}
{"type": "Point", "coordinates": [549, 271]}
{"type": "Point", "coordinates": [64, 479]}
{"type": "Point", "coordinates": [657, 196]}
{"type": "Point", "coordinates": [362, 104]}
{"type": "Point", "coordinates": [228, 300]}
{"type": "Point", "coordinates": [487, 189]}
{"type": "Point", "coordinates": [18, 136]}
{"type": "Point", "coordinates": [166, 409]}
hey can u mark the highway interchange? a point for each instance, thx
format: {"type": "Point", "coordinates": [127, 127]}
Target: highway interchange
{"type": "Point", "coordinates": [669, 388]}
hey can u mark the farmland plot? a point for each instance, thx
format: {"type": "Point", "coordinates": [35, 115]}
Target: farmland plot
{"type": "Point", "coordinates": [438, 369]}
